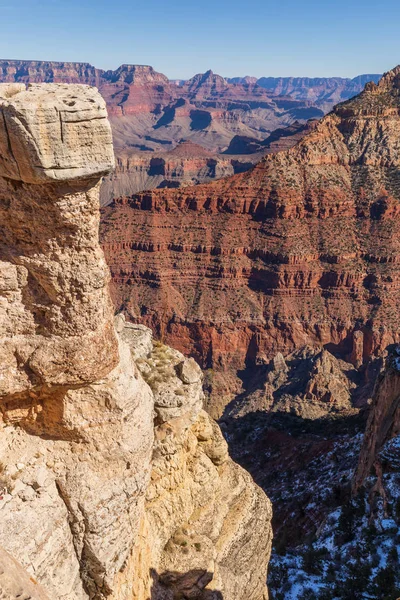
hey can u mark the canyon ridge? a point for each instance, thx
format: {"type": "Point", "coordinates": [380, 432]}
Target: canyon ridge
{"type": "Point", "coordinates": [300, 250]}
{"type": "Point", "coordinates": [225, 124]}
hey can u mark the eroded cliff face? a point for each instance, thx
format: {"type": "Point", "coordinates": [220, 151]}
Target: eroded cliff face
{"type": "Point", "coordinates": [380, 447]}
{"type": "Point", "coordinates": [355, 478]}
{"type": "Point", "coordinates": [187, 164]}
{"type": "Point", "coordinates": [301, 250]}
{"type": "Point", "coordinates": [95, 493]}
{"type": "Point", "coordinates": [70, 400]}
{"type": "Point", "coordinates": [206, 528]}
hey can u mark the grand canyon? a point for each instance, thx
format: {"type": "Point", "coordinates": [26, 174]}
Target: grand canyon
{"type": "Point", "coordinates": [228, 121]}
{"type": "Point", "coordinates": [200, 359]}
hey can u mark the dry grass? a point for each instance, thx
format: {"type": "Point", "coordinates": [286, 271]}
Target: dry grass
{"type": "Point", "coordinates": [6, 482]}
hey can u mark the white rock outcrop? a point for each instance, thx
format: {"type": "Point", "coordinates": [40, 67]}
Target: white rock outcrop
{"type": "Point", "coordinates": [114, 483]}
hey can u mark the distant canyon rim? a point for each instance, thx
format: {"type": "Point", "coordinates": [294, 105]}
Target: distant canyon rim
{"type": "Point", "coordinates": [226, 125]}
{"type": "Point", "coordinates": [245, 229]}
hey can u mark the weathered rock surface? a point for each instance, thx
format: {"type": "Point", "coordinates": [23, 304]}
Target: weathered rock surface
{"type": "Point", "coordinates": [380, 443]}
{"type": "Point", "coordinates": [95, 493]}
{"type": "Point", "coordinates": [186, 164]}
{"type": "Point", "coordinates": [282, 138]}
{"type": "Point", "coordinates": [15, 582]}
{"type": "Point", "coordinates": [146, 109]}
{"type": "Point", "coordinates": [207, 526]}
{"type": "Point", "coordinates": [300, 250]}
{"type": "Point", "coordinates": [38, 71]}
{"type": "Point", "coordinates": [71, 399]}
{"type": "Point", "coordinates": [325, 92]}
{"type": "Point", "coordinates": [149, 113]}
{"type": "Point", "coordinates": [49, 136]}
{"type": "Point", "coordinates": [309, 384]}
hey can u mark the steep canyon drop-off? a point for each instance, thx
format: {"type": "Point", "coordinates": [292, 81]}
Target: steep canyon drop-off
{"type": "Point", "coordinates": [114, 483]}
{"type": "Point", "coordinates": [302, 249]}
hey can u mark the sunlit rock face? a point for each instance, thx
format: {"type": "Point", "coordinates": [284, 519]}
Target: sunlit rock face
{"type": "Point", "coordinates": [55, 144]}
{"type": "Point", "coordinates": [76, 418]}
{"type": "Point", "coordinates": [300, 250]}
{"type": "Point", "coordinates": [114, 483]}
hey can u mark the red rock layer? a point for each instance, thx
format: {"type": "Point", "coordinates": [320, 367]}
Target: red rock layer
{"type": "Point", "coordinates": [302, 249]}
{"type": "Point", "coordinates": [187, 164]}
{"type": "Point", "coordinates": [38, 71]}
{"type": "Point", "coordinates": [323, 91]}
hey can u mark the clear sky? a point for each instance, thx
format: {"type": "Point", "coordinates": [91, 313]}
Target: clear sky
{"type": "Point", "coordinates": [232, 37]}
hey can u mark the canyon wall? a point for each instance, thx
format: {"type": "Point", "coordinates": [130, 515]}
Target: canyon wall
{"type": "Point", "coordinates": [114, 483]}
{"type": "Point", "coordinates": [325, 92]}
{"type": "Point", "coordinates": [151, 115]}
{"type": "Point", "coordinates": [186, 164]}
{"type": "Point", "coordinates": [302, 249]}
{"type": "Point", "coordinates": [147, 111]}
{"type": "Point", "coordinates": [381, 440]}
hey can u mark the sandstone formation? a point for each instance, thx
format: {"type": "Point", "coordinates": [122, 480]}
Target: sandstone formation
{"type": "Point", "coordinates": [381, 443]}
{"type": "Point", "coordinates": [150, 114]}
{"type": "Point", "coordinates": [146, 109]}
{"type": "Point", "coordinates": [309, 384]}
{"type": "Point", "coordinates": [300, 250]}
{"type": "Point", "coordinates": [281, 139]}
{"type": "Point", "coordinates": [38, 71]}
{"type": "Point", "coordinates": [15, 582]}
{"type": "Point", "coordinates": [70, 400]}
{"type": "Point", "coordinates": [325, 92]}
{"type": "Point", "coordinates": [48, 136]}
{"type": "Point", "coordinates": [186, 164]}
{"type": "Point", "coordinates": [200, 506]}
{"type": "Point", "coordinates": [97, 499]}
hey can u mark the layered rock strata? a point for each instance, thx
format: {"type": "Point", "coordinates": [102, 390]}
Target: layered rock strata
{"type": "Point", "coordinates": [309, 384]}
{"type": "Point", "coordinates": [186, 164]}
{"type": "Point", "coordinates": [149, 114]}
{"type": "Point", "coordinates": [300, 250]}
{"type": "Point", "coordinates": [70, 400]}
{"type": "Point", "coordinates": [149, 111]}
{"type": "Point", "coordinates": [325, 92]}
{"type": "Point", "coordinates": [95, 495]}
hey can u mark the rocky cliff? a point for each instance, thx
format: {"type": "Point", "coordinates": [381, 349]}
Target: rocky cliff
{"type": "Point", "coordinates": [186, 164]}
{"type": "Point", "coordinates": [147, 109]}
{"type": "Point", "coordinates": [113, 481]}
{"type": "Point", "coordinates": [38, 71]}
{"type": "Point", "coordinates": [353, 527]}
{"type": "Point", "coordinates": [325, 92]}
{"type": "Point", "coordinates": [381, 441]}
{"type": "Point", "coordinates": [150, 114]}
{"type": "Point", "coordinates": [302, 249]}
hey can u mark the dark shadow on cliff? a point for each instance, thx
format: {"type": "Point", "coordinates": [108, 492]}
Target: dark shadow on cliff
{"type": "Point", "coordinates": [175, 585]}
{"type": "Point", "coordinates": [304, 466]}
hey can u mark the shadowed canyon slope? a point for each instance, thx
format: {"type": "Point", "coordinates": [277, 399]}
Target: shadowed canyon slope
{"type": "Point", "coordinates": [302, 249]}
{"type": "Point", "coordinates": [114, 482]}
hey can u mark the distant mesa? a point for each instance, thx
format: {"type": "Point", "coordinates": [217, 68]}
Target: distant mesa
{"type": "Point", "coordinates": [150, 113]}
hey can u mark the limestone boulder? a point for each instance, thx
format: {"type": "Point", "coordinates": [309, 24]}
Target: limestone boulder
{"type": "Point", "coordinates": [56, 323]}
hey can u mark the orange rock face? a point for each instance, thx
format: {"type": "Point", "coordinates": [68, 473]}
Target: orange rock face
{"type": "Point", "coordinates": [186, 164]}
{"type": "Point", "coordinates": [302, 249]}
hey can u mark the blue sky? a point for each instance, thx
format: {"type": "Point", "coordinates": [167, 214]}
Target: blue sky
{"type": "Point", "coordinates": [183, 37]}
